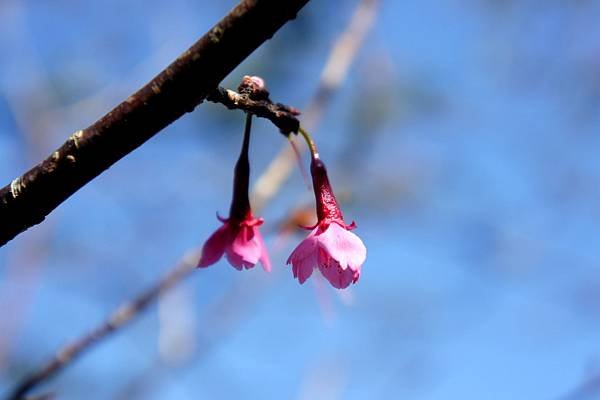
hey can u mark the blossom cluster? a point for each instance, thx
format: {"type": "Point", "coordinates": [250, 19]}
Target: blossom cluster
{"type": "Point", "coordinates": [330, 246]}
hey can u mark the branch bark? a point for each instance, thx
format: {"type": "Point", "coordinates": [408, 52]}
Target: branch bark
{"type": "Point", "coordinates": [178, 89]}
{"type": "Point", "coordinates": [282, 116]}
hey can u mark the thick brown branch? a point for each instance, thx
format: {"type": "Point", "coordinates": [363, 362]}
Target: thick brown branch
{"type": "Point", "coordinates": [176, 90]}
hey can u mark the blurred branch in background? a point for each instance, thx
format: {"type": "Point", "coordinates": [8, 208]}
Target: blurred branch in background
{"type": "Point", "coordinates": [116, 320]}
{"type": "Point", "coordinates": [332, 76]}
{"type": "Point", "coordinates": [223, 317]}
{"type": "Point", "coordinates": [587, 389]}
{"type": "Point", "coordinates": [176, 90]}
{"type": "Point", "coordinates": [334, 73]}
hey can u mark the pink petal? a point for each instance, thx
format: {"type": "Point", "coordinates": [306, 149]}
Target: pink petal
{"type": "Point", "coordinates": [303, 270]}
{"type": "Point", "coordinates": [338, 277]}
{"type": "Point", "coordinates": [214, 247]}
{"type": "Point", "coordinates": [264, 255]}
{"type": "Point", "coordinates": [343, 246]}
{"type": "Point", "coordinates": [304, 258]}
{"type": "Point", "coordinates": [234, 259]}
{"type": "Point", "coordinates": [247, 249]}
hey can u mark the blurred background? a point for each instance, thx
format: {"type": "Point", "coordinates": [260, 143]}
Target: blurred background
{"type": "Point", "coordinates": [464, 143]}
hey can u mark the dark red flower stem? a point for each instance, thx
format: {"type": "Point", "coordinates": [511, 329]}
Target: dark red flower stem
{"type": "Point", "coordinates": [240, 203]}
{"type": "Point", "coordinates": [327, 206]}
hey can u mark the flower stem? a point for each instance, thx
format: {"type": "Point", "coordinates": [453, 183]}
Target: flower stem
{"type": "Point", "coordinates": [310, 142]}
{"type": "Point", "coordinates": [299, 160]}
{"type": "Point", "coordinates": [240, 204]}
{"type": "Point", "coordinates": [247, 128]}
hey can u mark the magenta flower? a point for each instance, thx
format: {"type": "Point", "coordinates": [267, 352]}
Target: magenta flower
{"type": "Point", "coordinates": [330, 246]}
{"type": "Point", "coordinates": [238, 238]}
{"type": "Point", "coordinates": [241, 243]}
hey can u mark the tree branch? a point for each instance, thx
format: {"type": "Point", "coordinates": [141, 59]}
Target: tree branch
{"type": "Point", "coordinates": [282, 116]}
{"type": "Point", "coordinates": [176, 90]}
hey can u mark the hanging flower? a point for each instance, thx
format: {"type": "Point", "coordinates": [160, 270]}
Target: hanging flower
{"type": "Point", "coordinates": [330, 246]}
{"type": "Point", "coordinates": [241, 243]}
{"type": "Point", "coordinates": [238, 238]}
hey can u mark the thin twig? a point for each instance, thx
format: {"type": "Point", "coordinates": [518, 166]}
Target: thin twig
{"type": "Point", "coordinates": [178, 89]}
{"type": "Point", "coordinates": [366, 9]}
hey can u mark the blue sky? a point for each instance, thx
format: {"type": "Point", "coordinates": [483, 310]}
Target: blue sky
{"type": "Point", "coordinates": [463, 143]}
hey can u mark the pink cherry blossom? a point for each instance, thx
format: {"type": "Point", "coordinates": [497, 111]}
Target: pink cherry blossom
{"type": "Point", "coordinates": [241, 242]}
{"type": "Point", "coordinates": [238, 238]}
{"type": "Point", "coordinates": [330, 246]}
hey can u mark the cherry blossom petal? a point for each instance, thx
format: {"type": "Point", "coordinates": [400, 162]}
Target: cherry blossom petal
{"type": "Point", "coordinates": [304, 258]}
{"type": "Point", "coordinates": [246, 245]}
{"type": "Point", "coordinates": [343, 246]}
{"type": "Point", "coordinates": [265, 261]}
{"type": "Point", "coordinates": [214, 247]}
{"type": "Point", "coordinates": [338, 277]}
{"type": "Point", "coordinates": [234, 259]}
{"type": "Point", "coordinates": [303, 270]}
